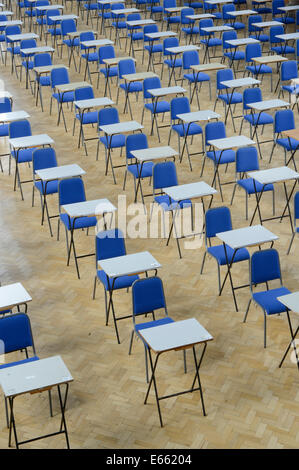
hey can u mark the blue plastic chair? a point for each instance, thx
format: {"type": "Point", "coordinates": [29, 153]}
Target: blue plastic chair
{"type": "Point", "coordinates": [60, 76]}
{"type": "Point", "coordinates": [188, 26]}
{"type": "Point", "coordinates": [20, 129]}
{"type": "Point", "coordinates": [284, 121]}
{"type": "Point", "coordinates": [5, 107]}
{"type": "Point", "coordinates": [138, 171]}
{"type": "Point", "coordinates": [2, 36]}
{"type": "Point", "coordinates": [208, 8]}
{"type": "Point", "coordinates": [111, 244]}
{"type": "Point", "coordinates": [209, 40]}
{"type": "Point", "coordinates": [192, 58]}
{"type": "Point", "coordinates": [264, 267]}
{"type": "Point", "coordinates": [171, 63]}
{"type": "Point", "coordinates": [219, 220]}
{"type": "Point", "coordinates": [150, 46]}
{"type": "Point", "coordinates": [170, 19]}
{"type": "Point", "coordinates": [227, 98]}
{"type": "Point", "coordinates": [254, 31]}
{"type": "Point", "coordinates": [70, 191]}
{"type": "Point", "coordinates": [11, 48]}
{"type": "Point", "coordinates": [178, 106]}
{"type": "Point", "coordinates": [134, 33]}
{"type": "Point", "coordinates": [89, 57]}
{"type": "Point", "coordinates": [277, 45]}
{"type": "Point", "coordinates": [296, 218]}
{"type": "Point", "coordinates": [106, 52]}
{"type": "Point", "coordinates": [275, 12]}
{"type": "Point", "coordinates": [69, 26]}
{"type": "Point", "coordinates": [41, 20]}
{"type": "Point", "coordinates": [247, 160]}
{"type": "Point", "coordinates": [255, 50]}
{"type": "Point", "coordinates": [118, 23]}
{"type": "Point", "coordinates": [26, 63]}
{"type": "Point", "coordinates": [288, 71]}
{"type": "Point", "coordinates": [237, 25]}
{"type": "Point", "coordinates": [40, 60]}
{"type": "Point", "coordinates": [54, 29]}
{"type": "Point", "coordinates": [88, 117]}
{"type": "Point", "coordinates": [261, 8]}
{"type": "Point", "coordinates": [230, 51]}
{"type": "Point", "coordinates": [127, 67]}
{"type": "Point", "coordinates": [159, 107]}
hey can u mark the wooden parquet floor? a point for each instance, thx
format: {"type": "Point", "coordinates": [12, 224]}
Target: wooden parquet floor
{"type": "Point", "coordinates": [250, 402]}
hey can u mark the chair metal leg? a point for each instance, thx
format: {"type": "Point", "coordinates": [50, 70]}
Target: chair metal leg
{"type": "Point", "coordinates": [247, 310]}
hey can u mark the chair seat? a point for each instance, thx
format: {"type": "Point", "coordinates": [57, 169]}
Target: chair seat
{"type": "Point", "coordinates": [190, 30]}
{"type": "Point", "coordinates": [121, 282]}
{"type": "Point", "coordinates": [211, 42]}
{"type": "Point", "coordinates": [236, 55]}
{"type": "Point", "coordinates": [66, 97]}
{"type": "Point", "coordinates": [119, 25]}
{"type": "Point", "coordinates": [24, 155]}
{"type": "Point", "coordinates": [138, 36]}
{"type": "Point", "coordinates": [72, 42]}
{"type": "Point", "coordinates": [80, 222]}
{"type": "Point", "coordinates": [152, 324]}
{"type": "Point", "coordinates": [3, 312]}
{"type": "Point", "coordinates": [51, 188]}
{"type": "Point", "coordinates": [91, 6]}
{"type": "Point", "coordinates": [219, 254]}
{"type": "Point", "coordinates": [257, 69]}
{"type": "Point", "coordinates": [91, 57]}
{"type": "Point", "coordinates": [111, 72]}
{"type": "Point", "coordinates": [54, 32]}
{"type": "Point", "coordinates": [237, 25]}
{"type": "Point", "coordinates": [182, 129]}
{"type": "Point", "coordinates": [4, 130]}
{"type": "Point", "coordinates": [88, 118]}
{"type": "Point", "coordinates": [262, 37]}
{"type": "Point", "coordinates": [155, 48]}
{"type": "Point", "coordinates": [228, 156]}
{"type": "Point", "coordinates": [259, 118]}
{"type": "Point", "coordinates": [248, 185]}
{"type": "Point", "coordinates": [44, 80]}
{"type": "Point", "coordinates": [160, 107]}
{"type": "Point", "coordinates": [283, 49]}
{"type": "Point", "coordinates": [146, 172]}
{"type": "Point", "coordinates": [16, 363]}
{"type": "Point", "coordinates": [285, 143]}
{"type": "Point", "coordinates": [116, 141]}
{"type": "Point", "coordinates": [28, 65]}
{"type": "Point", "coordinates": [197, 77]}
{"type": "Point", "coordinates": [231, 98]}
{"type": "Point", "coordinates": [16, 50]}
{"type": "Point", "coordinates": [285, 20]}
{"type": "Point", "coordinates": [291, 88]}
{"type": "Point", "coordinates": [173, 19]}
{"type": "Point", "coordinates": [268, 300]}
{"type": "Point", "coordinates": [133, 87]}
{"type": "Point", "coordinates": [171, 205]}
{"type": "Point", "coordinates": [174, 63]}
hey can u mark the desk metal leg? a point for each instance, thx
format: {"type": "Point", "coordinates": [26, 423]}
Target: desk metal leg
{"type": "Point", "coordinates": [292, 342]}
{"type": "Point", "coordinates": [153, 380]}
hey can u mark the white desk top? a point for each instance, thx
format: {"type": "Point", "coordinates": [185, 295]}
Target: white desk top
{"type": "Point", "coordinates": [242, 41]}
{"type": "Point", "coordinates": [97, 42]}
{"type": "Point", "coordinates": [125, 11]}
{"type": "Point", "coordinates": [171, 90]}
{"type": "Point", "coordinates": [175, 335]}
{"type": "Point", "coordinates": [154, 153]}
{"type": "Point", "coordinates": [121, 127]}
{"type": "Point", "coordinates": [13, 116]}
{"type": "Point", "coordinates": [140, 22]}
{"type": "Point", "coordinates": [37, 50]}
{"type": "Point", "coordinates": [127, 265]}
{"type": "Point", "coordinates": [93, 103]}
{"type": "Point", "coordinates": [33, 376]}
{"type": "Point", "coordinates": [274, 175]}
{"type": "Point", "coordinates": [246, 236]}
{"type": "Point", "coordinates": [241, 13]}
{"type": "Point", "coordinates": [108, 2]}
{"type": "Point", "coordinates": [6, 12]}
{"type": "Point", "coordinates": [201, 16]}
{"type": "Point", "coordinates": [181, 49]}
{"type": "Point", "coordinates": [11, 23]}
{"type": "Point", "coordinates": [289, 8]}
{"type": "Point", "coordinates": [189, 191]}
{"type": "Point", "coordinates": [267, 24]}
{"type": "Point", "coordinates": [217, 2]}
{"type": "Point", "coordinates": [116, 60]}
{"type": "Point", "coordinates": [268, 104]}
{"type": "Point", "coordinates": [231, 142]}
{"type": "Point", "coordinates": [31, 141]}
{"type": "Point", "coordinates": [195, 116]}
{"type": "Point", "coordinates": [239, 82]}
{"type": "Point", "coordinates": [47, 68]}
{"type": "Point", "coordinates": [20, 37]}
{"type": "Point", "coordinates": [291, 301]}
{"type": "Point", "coordinates": [63, 17]}
{"type": "Point", "coordinates": [173, 9]}
{"type": "Point", "coordinates": [287, 37]}
{"type": "Point", "coordinates": [65, 87]}
{"type": "Point", "coordinates": [13, 295]}
{"type": "Point", "coordinates": [216, 29]}
{"type": "Point", "coordinates": [208, 67]}
{"type": "Point", "coordinates": [5, 94]}
{"type": "Point", "coordinates": [161, 34]}
{"type": "Point", "coordinates": [268, 59]}
{"type": "Point", "coordinates": [60, 172]}
{"type": "Point", "coordinates": [49, 7]}
{"type": "Point", "coordinates": [137, 77]}
{"type": "Point", "coordinates": [89, 208]}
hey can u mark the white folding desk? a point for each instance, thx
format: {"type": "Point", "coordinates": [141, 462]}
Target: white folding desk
{"type": "Point", "coordinates": [94, 208]}
{"type": "Point", "coordinates": [211, 30]}
{"type": "Point", "coordinates": [187, 119]}
{"type": "Point", "coordinates": [286, 38]}
{"type": "Point", "coordinates": [53, 174]}
{"type": "Point", "coordinates": [13, 295]}
{"type": "Point", "coordinates": [174, 52]}
{"type": "Point", "coordinates": [152, 154]}
{"type": "Point", "coordinates": [237, 239]}
{"type": "Point", "coordinates": [14, 38]}
{"type": "Point", "coordinates": [291, 301]}
{"type": "Point", "coordinates": [111, 62]}
{"type": "Point", "coordinates": [226, 143]}
{"type": "Point", "coordinates": [271, 176]}
{"type": "Point", "coordinates": [268, 60]}
{"type": "Point", "coordinates": [102, 4]}
{"type": "Point", "coordinates": [152, 37]}
{"type": "Point", "coordinates": [137, 24]}
{"type": "Point", "coordinates": [6, 118]}
{"type": "Point", "coordinates": [126, 265]}
{"type": "Point", "coordinates": [73, 35]}
{"type": "Point", "coordinates": [181, 335]}
{"type": "Point", "coordinates": [93, 44]}
{"type": "Point", "coordinates": [36, 377]}
{"type": "Point", "coordinates": [132, 78]}
{"type": "Point", "coordinates": [20, 143]}
{"type": "Point", "coordinates": [202, 68]}
{"type": "Point", "coordinates": [292, 135]}
{"type": "Point", "coordinates": [179, 193]}
{"type": "Point", "coordinates": [66, 88]}
{"type": "Point", "coordinates": [29, 52]}
{"type": "Point", "coordinates": [114, 129]}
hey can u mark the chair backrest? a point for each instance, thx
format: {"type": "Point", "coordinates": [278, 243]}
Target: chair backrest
{"type": "Point", "coordinates": [44, 158]}
{"type": "Point", "coordinates": [223, 75]}
{"type": "Point", "coordinates": [226, 9]}
{"type": "Point", "coordinates": [164, 175]}
{"type": "Point", "coordinates": [16, 333]}
{"type": "Point", "coordinates": [19, 129]}
{"type": "Point", "coordinates": [252, 50]}
{"type": "Point", "coordinates": [28, 44]}
{"type": "Point", "coordinates": [288, 70]}
{"type": "Point", "coordinates": [227, 36]}
{"type": "Point", "coordinates": [169, 42]}
{"type": "Point", "coordinates": [150, 84]}
{"type": "Point", "coordinates": [217, 220]}
{"type": "Point", "coordinates": [247, 159]}
{"type": "Point", "coordinates": [149, 28]}
{"type": "Point", "coordinates": [254, 19]}
{"type": "Point", "coordinates": [50, 13]}
{"type": "Point", "coordinates": [59, 76]}
{"type": "Point", "coordinates": [86, 36]}
{"type": "Point", "coordinates": [126, 67]}
{"type": "Point", "coordinates": [71, 190]}
{"type": "Point", "coordinates": [133, 17]}
{"type": "Point", "coordinates": [215, 129]}
{"type": "Point", "coordinates": [68, 26]}
{"type": "Point", "coordinates": [275, 5]}
{"type": "Point", "coordinates": [117, 6]}
{"type": "Point", "coordinates": [2, 18]}
{"type": "Point", "coordinates": [264, 266]}
{"type": "Point", "coordinates": [5, 105]}
{"type": "Point", "coordinates": [179, 105]}
{"type": "Point", "coordinates": [42, 59]}
{"type": "Point", "coordinates": [251, 95]}
{"type": "Point", "coordinates": [148, 296]}
{"type": "Point", "coordinates": [275, 31]}
{"type": "Point", "coordinates": [205, 23]}
{"type": "Point", "coordinates": [135, 142]}
{"type": "Point", "coordinates": [284, 120]}
{"type": "Point", "coordinates": [296, 206]}
{"type": "Point", "coordinates": [169, 4]}
{"type": "Point", "coordinates": [108, 116]}
{"type": "Point", "coordinates": [11, 30]}
{"type": "Point", "coordinates": [110, 244]}
{"type": "Point", "coordinates": [106, 52]}
{"type": "Point", "coordinates": [190, 58]}
{"type": "Point", "coordinates": [186, 12]}
{"type": "Point", "coordinates": [85, 93]}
